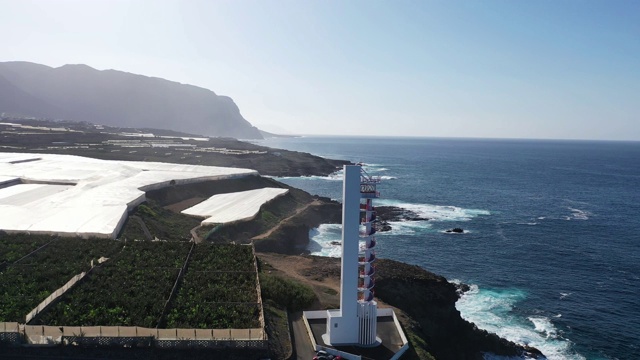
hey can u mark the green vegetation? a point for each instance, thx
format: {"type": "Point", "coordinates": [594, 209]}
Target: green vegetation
{"type": "Point", "coordinates": [162, 223]}
{"type": "Point", "coordinates": [25, 284]}
{"type": "Point", "coordinates": [286, 293]}
{"type": "Point", "coordinates": [207, 230]}
{"type": "Point", "coordinates": [418, 348]}
{"type": "Point", "coordinates": [269, 218]}
{"type": "Point", "coordinates": [144, 209]}
{"type": "Point", "coordinates": [14, 247]}
{"type": "Point", "coordinates": [130, 289]}
{"type": "Point", "coordinates": [108, 298]}
{"type": "Point", "coordinates": [218, 316]}
{"type": "Point", "coordinates": [223, 257]}
{"type": "Point", "coordinates": [218, 291]}
{"type": "Point", "coordinates": [277, 327]}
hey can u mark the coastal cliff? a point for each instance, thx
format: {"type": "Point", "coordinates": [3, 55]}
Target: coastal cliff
{"type": "Point", "coordinates": [425, 301]}
{"type": "Point", "coordinates": [118, 98]}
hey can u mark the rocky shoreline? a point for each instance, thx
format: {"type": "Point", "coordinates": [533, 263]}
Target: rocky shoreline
{"type": "Point", "coordinates": [426, 301]}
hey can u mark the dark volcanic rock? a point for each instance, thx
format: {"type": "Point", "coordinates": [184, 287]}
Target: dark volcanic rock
{"type": "Point", "coordinates": [384, 226]}
{"type": "Point", "coordinates": [455, 230]}
{"type": "Point", "coordinates": [393, 213]}
{"type": "Point", "coordinates": [430, 300]}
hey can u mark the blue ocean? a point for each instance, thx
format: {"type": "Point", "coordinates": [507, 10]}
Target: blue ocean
{"type": "Point", "coordinates": [551, 247]}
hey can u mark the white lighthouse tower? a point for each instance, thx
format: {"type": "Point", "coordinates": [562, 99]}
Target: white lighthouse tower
{"type": "Point", "coordinates": [355, 323]}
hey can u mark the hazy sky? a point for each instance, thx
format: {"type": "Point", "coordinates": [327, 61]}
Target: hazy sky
{"type": "Point", "coordinates": [523, 69]}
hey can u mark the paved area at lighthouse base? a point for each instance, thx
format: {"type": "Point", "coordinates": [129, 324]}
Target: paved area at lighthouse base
{"type": "Point", "coordinates": [388, 331]}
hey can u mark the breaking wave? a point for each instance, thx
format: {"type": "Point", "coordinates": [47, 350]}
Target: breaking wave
{"type": "Point", "coordinates": [436, 212]}
{"type": "Point", "coordinates": [322, 240]}
{"type": "Point", "coordinates": [492, 310]}
{"type": "Point", "coordinates": [408, 227]}
{"type": "Point", "coordinates": [577, 214]}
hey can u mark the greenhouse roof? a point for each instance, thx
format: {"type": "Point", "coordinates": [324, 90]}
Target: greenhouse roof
{"type": "Point", "coordinates": [78, 196]}
{"type": "Point", "coordinates": [225, 208]}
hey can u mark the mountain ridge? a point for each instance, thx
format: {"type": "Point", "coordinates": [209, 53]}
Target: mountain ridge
{"type": "Point", "coordinates": [79, 92]}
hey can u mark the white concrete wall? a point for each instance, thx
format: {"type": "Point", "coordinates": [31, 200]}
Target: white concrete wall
{"type": "Point", "coordinates": [350, 239]}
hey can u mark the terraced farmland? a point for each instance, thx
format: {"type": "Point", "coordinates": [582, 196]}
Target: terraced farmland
{"type": "Point", "coordinates": [14, 249]}
{"type": "Point", "coordinates": [25, 284]}
{"type": "Point", "coordinates": [218, 288]}
{"type": "Point", "coordinates": [129, 290]}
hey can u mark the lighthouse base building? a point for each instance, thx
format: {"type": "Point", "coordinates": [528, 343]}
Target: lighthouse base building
{"type": "Point", "coordinates": [358, 323]}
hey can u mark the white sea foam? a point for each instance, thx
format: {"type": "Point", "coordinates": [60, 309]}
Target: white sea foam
{"type": "Point", "coordinates": [544, 326]}
{"type": "Point", "coordinates": [336, 176]}
{"type": "Point", "coordinates": [500, 357]}
{"type": "Point", "coordinates": [321, 238]}
{"type": "Point", "coordinates": [405, 227]}
{"type": "Point", "coordinates": [374, 168]}
{"type": "Point", "coordinates": [492, 310]}
{"type": "Point", "coordinates": [339, 175]}
{"type": "Point", "coordinates": [436, 212]}
{"type": "Point", "coordinates": [564, 295]}
{"type": "Point", "coordinates": [578, 214]}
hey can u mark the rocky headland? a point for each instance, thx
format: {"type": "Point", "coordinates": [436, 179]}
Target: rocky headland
{"type": "Point", "coordinates": [425, 301]}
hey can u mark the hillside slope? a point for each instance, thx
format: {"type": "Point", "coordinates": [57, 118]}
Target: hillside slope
{"type": "Point", "coordinates": [116, 98]}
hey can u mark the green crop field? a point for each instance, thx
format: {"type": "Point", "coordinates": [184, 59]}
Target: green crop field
{"type": "Point", "coordinates": [218, 288]}
{"type": "Point", "coordinates": [25, 284]}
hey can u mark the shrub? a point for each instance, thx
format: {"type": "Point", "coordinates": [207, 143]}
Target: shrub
{"type": "Point", "coordinates": [287, 293]}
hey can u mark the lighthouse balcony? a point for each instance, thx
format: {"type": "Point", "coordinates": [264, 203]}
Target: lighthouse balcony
{"type": "Point", "coordinates": [369, 231]}
{"type": "Point", "coordinates": [367, 207]}
{"type": "Point", "coordinates": [364, 259]}
{"type": "Point", "coordinates": [366, 285]}
{"type": "Point", "coordinates": [369, 273]}
{"type": "Point", "coordinates": [366, 252]}
{"type": "Point", "coordinates": [368, 245]}
{"type": "Point", "coordinates": [365, 295]}
{"type": "Point", "coordinates": [369, 218]}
